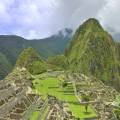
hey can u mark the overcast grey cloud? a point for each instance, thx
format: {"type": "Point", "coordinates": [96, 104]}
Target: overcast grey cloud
{"type": "Point", "coordinates": [109, 16]}
{"type": "Point", "coordinates": [42, 18]}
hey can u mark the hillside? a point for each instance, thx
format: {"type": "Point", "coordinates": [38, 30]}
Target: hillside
{"type": "Point", "coordinates": [30, 59]}
{"type": "Point", "coordinates": [27, 57]}
{"type": "Point", "coordinates": [59, 60]}
{"type": "Point", "coordinates": [11, 46]}
{"type": "Point", "coordinates": [93, 52]}
{"type": "Point", "coordinates": [5, 66]}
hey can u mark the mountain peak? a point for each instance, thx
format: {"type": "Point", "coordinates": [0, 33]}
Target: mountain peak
{"type": "Point", "coordinates": [92, 24]}
{"type": "Point", "coordinates": [26, 57]}
{"type": "Point", "coordinates": [92, 52]}
{"type": "Point", "coordinates": [92, 20]}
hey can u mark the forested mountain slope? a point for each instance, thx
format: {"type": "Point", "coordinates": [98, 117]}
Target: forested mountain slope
{"type": "Point", "coordinates": [94, 52]}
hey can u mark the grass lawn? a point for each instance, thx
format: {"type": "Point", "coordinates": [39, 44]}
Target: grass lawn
{"type": "Point", "coordinates": [34, 115]}
{"type": "Point", "coordinates": [51, 86]}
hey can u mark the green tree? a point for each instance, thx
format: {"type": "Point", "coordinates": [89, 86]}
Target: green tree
{"type": "Point", "coordinates": [86, 99]}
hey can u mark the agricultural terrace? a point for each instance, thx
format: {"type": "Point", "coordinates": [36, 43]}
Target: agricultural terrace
{"type": "Point", "coordinates": [45, 84]}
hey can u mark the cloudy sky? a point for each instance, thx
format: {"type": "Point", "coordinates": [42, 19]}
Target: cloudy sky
{"type": "Point", "coordinates": [42, 18]}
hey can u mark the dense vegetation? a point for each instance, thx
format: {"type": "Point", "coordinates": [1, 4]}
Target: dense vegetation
{"type": "Point", "coordinates": [30, 59]}
{"type": "Point", "coordinates": [27, 57]}
{"type": "Point", "coordinates": [5, 66]}
{"type": "Point", "coordinates": [37, 67]}
{"type": "Point", "coordinates": [59, 60]}
{"type": "Point", "coordinates": [93, 52]}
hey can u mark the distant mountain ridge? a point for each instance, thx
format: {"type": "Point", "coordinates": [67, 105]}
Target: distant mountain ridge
{"type": "Point", "coordinates": [11, 45]}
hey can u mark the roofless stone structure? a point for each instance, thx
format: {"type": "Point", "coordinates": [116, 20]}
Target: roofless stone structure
{"type": "Point", "coordinates": [16, 96]}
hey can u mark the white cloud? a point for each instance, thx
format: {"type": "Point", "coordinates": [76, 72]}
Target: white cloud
{"type": "Point", "coordinates": [109, 15]}
{"type": "Point", "coordinates": [41, 18]}
{"type": "Point", "coordinates": [4, 15]}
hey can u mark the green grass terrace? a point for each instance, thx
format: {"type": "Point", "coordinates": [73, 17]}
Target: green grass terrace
{"type": "Point", "coordinates": [52, 86]}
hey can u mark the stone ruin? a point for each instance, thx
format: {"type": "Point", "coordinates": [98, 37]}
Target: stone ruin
{"type": "Point", "coordinates": [59, 110]}
{"type": "Point", "coordinates": [18, 101]}
{"type": "Point", "coordinates": [16, 97]}
{"type": "Point", "coordinates": [102, 96]}
{"type": "Point", "coordinates": [15, 101]}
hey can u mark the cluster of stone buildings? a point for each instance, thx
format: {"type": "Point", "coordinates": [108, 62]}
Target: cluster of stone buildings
{"type": "Point", "coordinates": [59, 110]}
{"type": "Point", "coordinates": [16, 96]}
{"type": "Point", "coordinates": [101, 96]}
{"type": "Point", "coordinates": [18, 101]}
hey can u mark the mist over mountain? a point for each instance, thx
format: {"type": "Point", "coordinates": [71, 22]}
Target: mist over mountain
{"type": "Point", "coordinates": [116, 37]}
